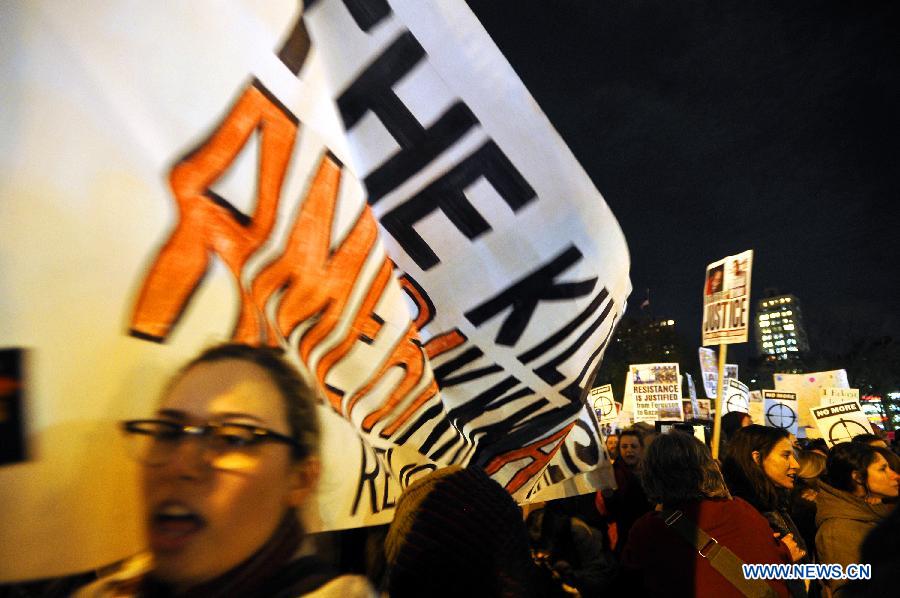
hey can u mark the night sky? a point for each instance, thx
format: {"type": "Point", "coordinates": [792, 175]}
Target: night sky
{"type": "Point", "coordinates": [718, 126]}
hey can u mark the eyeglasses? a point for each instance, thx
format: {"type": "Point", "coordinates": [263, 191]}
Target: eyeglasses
{"type": "Point", "coordinates": [225, 446]}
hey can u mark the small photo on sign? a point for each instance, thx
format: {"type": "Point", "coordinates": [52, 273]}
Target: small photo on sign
{"type": "Point", "coordinates": [715, 278]}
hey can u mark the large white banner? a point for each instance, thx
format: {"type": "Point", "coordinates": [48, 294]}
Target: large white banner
{"type": "Point", "coordinates": [373, 190]}
{"type": "Point", "coordinates": [726, 300]}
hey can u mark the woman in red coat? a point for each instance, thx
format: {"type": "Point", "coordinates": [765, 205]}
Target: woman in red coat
{"type": "Point", "coordinates": [680, 475]}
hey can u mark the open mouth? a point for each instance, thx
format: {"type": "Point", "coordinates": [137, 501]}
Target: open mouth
{"type": "Point", "coordinates": [172, 525]}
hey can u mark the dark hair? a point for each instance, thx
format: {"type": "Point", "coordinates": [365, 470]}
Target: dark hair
{"type": "Point", "coordinates": [731, 422]}
{"type": "Point", "coordinates": [846, 458]}
{"type": "Point", "coordinates": [678, 468]}
{"type": "Point", "coordinates": [866, 438]}
{"type": "Point", "coordinates": [745, 477]}
{"type": "Point", "coordinates": [632, 432]}
{"type": "Point", "coordinates": [817, 444]}
{"type": "Point", "coordinates": [299, 397]}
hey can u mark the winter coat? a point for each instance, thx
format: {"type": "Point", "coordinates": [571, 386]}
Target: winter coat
{"type": "Point", "coordinates": [843, 521]}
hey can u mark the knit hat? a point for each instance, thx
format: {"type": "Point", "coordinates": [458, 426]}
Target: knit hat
{"type": "Point", "coordinates": [458, 532]}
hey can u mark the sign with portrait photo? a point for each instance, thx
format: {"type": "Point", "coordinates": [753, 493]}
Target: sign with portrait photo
{"type": "Point", "coordinates": [726, 300]}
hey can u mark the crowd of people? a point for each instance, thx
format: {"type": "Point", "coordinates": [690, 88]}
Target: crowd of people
{"type": "Point", "coordinates": [231, 455]}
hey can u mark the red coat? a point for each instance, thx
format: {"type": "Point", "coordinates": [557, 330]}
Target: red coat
{"type": "Point", "coordinates": [660, 560]}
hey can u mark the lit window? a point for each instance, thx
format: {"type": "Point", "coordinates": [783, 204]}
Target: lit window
{"type": "Point", "coordinates": [764, 317]}
{"type": "Point", "coordinates": [671, 322]}
{"type": "Point", "coordinates": [787, 312]}
{"type": "Point", "coordinates": [763, 324]}
{"type": "Point", "coordinates": [788, 326]}
{"type": "Point", "coordinates": [789, 349]}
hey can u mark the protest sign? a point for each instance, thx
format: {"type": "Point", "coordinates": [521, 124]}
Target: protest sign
{"type": "Point", "coordinates": [657, 391]}
{"type": "Point", "coordinates": [833, 396]}
{"type": "Point", "coordinates": [755, 405]}
{"type": "Point", "coordinates": [780, 409]}
{"type": "Point", "coordinates": [709, 371]}
{"type": "Point", "coordinates": [737, 397]}
{"type": "Point", "coordinates": [726, 300]}
{"type": "Point", "coordinates": [808, 387]}
{"type": "Point", "coordinates": [692, 390]}
{"type": "Point", "coordinates": [687, 409]}
{"type": "Point", "coordinates": [375, 192]}
{"type": "Point", "coordinates": [731, 371]}
{"type": "Point", "coordinates": [841, 422]}
{"type": "Point", "coordinates": [704, 409]}
{"type": "Point", "coordinates": [601, 398]}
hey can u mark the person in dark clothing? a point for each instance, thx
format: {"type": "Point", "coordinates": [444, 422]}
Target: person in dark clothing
{"type": "Point", "coordinates": [681, 476]}
{"type": "Point", "coordinates": [731, 423]}
{"type": "Point", "coordinates": [851, 503]}
{"type": "Point", "coordinates": [760, 467]}
{"type": "Point", "coordinates": [571, 548]}
{"type": "Point", "coordinates": [881, 550]}
{"type": "Point", "coordinates": [628, 502]}
{"type": "Point", "coordinates": [457, 532]}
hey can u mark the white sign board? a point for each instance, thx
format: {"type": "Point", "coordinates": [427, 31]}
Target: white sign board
{"type": "Point", "coordinates": [756, 407]}
{"type": "Point", "coordinates": [807, 388]}
{"type": "Point", "coordinates": [391, 207]}
{"type": "Point", "coordinates": [726, 300]}
{"type": "Point", "coordinates": [657, 391]}
{"type": "Point", "coordinates": [709, 371]}
{"type": "Point", "coordinates": [601, 400]}
{"type": "Point", "coordinates": [780, 410]}
{"type": "Point", "coordinates": [833, 396]}
{"type": "Point", "coordinates": [737, 397]}
{"type": "Point", "coordinates": [841, 422]}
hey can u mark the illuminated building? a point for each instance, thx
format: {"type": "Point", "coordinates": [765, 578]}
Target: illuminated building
{"type": "Point", "coordinates": [780, 336]}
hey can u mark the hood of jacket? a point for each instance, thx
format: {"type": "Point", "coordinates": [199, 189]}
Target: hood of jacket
{"type": "Point", "coordinates": [832, 503]}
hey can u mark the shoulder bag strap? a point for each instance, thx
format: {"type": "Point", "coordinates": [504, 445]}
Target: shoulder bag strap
{"type": "Point", "coordinates": [719, 556]}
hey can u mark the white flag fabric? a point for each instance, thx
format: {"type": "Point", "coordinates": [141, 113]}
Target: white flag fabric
{"type": "Point", "coordinates": [369, 186]}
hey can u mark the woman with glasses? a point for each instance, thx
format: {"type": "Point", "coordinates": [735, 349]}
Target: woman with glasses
{"type": "Point", "coordinates": [226, 461]}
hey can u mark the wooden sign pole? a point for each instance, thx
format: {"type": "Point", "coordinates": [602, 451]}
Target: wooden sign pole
{"type": "Point", "coordinates": [720, 391]}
